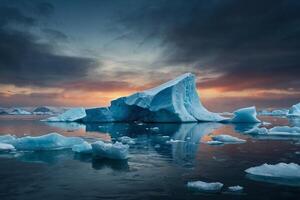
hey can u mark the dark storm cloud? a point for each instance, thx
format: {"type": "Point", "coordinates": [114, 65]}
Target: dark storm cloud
{"type": "Point", "coordinates": [253, 43]}
{"type": "Point", "coordinates": [25, 61]}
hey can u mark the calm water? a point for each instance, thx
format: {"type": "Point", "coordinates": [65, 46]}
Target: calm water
{"type": "Point", "coordinates": [155, 169]}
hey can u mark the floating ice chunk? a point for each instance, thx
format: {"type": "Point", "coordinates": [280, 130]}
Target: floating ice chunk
{"type": "Point", "coordinates": [235, 188]}
{"type": "Point", "coordinates": [51, 141]}
{"type": "Point", "coordinates": [6, 147]}
{"type": "Point", "coordinates": [84, 148]}
{"type": "Point", "coordinates": [116, 151]}
{"type": "Point", "coordinates": [174, 141]}
{"type": "Point", "coordinates": [280, 170]}
{"type": "Point", "coordinates": [71, 115]}
{"type": "Point", "coordinates": [276, 131]}
{"type": "Point", "coordinates": [174, 101]}
{"type": "Point", "coordinates": [126, 140]}
{"type": "Point", "coordinates": [19, 111]}
{"type": "Point", "coordinates": [257, 131]}
{"type": "Point", "coordinates": [7, 139]}
{"type": "Point", "coordinates": [214, 142]}
{"type": "Point", "coordinates": [205, 187]}
{"type": "Point", "coordinates": [281, 112]}
{"type": "Point", "coordinates": [227, 139]}
{"type": "Point", "coordinates": [157, 146]}
{"type": "Point", "coordinates": [294, 111]}
{"type": "Point", "coordinates": [245, 115]}
{"type": "Point", "coordinates": [155, 129]}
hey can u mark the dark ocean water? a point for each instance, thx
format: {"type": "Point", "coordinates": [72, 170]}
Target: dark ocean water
{"type": "Point", "coordinates": [155, 169]}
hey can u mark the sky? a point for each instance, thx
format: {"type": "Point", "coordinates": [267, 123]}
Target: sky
{"type": "Point", "coordinates": [86, 53]}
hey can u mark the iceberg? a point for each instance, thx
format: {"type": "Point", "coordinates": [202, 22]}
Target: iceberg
{"type": "Point", "coordinates": [227, 139]}
{"type": "Point", "coordinates": [205, 187]}
{"type": "Point", "coordinates": [245, 115]}
{"type": "Point", "coordinates": [83, 148]}
{"type": "Point", "coordinates": [117, 151]}
{"type": "Point", "coordinates": [173, 101]}
{"type": "Point", "coordinates": [6, 147]}
{"type": "Point", "coordinates": [42, 110]}
{"type": "Point", "coordinates": [279, 112]}
{"type": "Point", "coordinates": [71, 115]}
{"type": "Point", "coordinates": [51, 141]}
{"type": "Point", "coordinates": [281, 173]}
{"type": "Point", "coordinates": [294, 111]}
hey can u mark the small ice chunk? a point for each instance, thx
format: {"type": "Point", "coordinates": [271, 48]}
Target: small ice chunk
{"type": "Point", "coordinates": [245, 115]}
{"type": "Point", "coordinates": [174, 141]}
{"type": "Point", "coordinates": [116, 151]}
{"type": "Point", "coordinates": [206, 187]}
{"type": "Point", "coordinates": [214, 142]}
{"type": "Point", "coordinates": [51, 141]}
{"type": "Point", "coordinates": [258, 131]}
{"type": "Point", "coordinates": [126, 140]}
{"type": "Point", "coordinates": [70, 115]}
{"type": "Point", "coordinates": [6, 147]}
{"type": "Point", "coordinates": [84, 148]}
{"type": "Point", "coordinates": [235, 188]}
{"type": "Point", "coordinates": [285, 129]}
{"type": "Point", "coordinates": [157, 146]}
{"type": "Point", "coordinates": [227, 139]}
{"type": "Point", "coordinates": [280, 170]}
{"type": "Point", "coordinates": [155, 129]}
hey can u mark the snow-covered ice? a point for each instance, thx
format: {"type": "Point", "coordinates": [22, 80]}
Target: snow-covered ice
{"type": "Point", "coordinates": [280, 170]}
{"type": "Point", "coordinates": [204, 186]}
{"type": "Point", "coordinates": [294, 111]}
{"type": "Point", "coordinates": [70, 115]}
{"type": "Point", "coordinates": [227, 139]}
{"type": "Point", "coordinates": [116, 151]}
{"type": "Point", "coordinates": [245, 115]}
{"type": "Point", "coordinates": [83, 148]}
{"type": "Point", "coordinates": [6, 147]}
{"type": "Point", "coordinates": [51, 141]}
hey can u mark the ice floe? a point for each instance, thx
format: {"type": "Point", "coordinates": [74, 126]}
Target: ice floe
{"type": "Point", "coordinates": [283, 131]}
{"type": "Point", "coordinates": [51, 141]}
{"type": "Point", "coordinates": [281, 173]}
{"type": "Point", "coordinates": [116, 150]}
{"type": "Point", "coordinates": [204, 186]}
{"type": "Point", "coordinates": [235, 188]}
{"type": "Point", "coordinates": [227, 139]}
{"type": "Point", "coordinates": [214, 142]}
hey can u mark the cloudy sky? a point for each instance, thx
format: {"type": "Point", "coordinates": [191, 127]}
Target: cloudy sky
{"type": "Point", "coordinates": [85, 53]}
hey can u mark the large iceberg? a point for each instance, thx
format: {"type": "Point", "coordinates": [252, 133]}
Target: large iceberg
{"type": "Point", "coordinates": [51, 141]}
{"type": "Point", "coordinates": [205, 187]}
{"type": "Point", "coordinates": [245, 115]}
{"type": "Point", "coordinates": [294, 111]}
{"type": "Point", "coordinates": [117, 151]}
{"type": "Point", "coordinates": [281, 173]}
{"type": "Point", "coordinates": [174, 101]}
{"type": "Point", "coordinates": [74, 114]}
